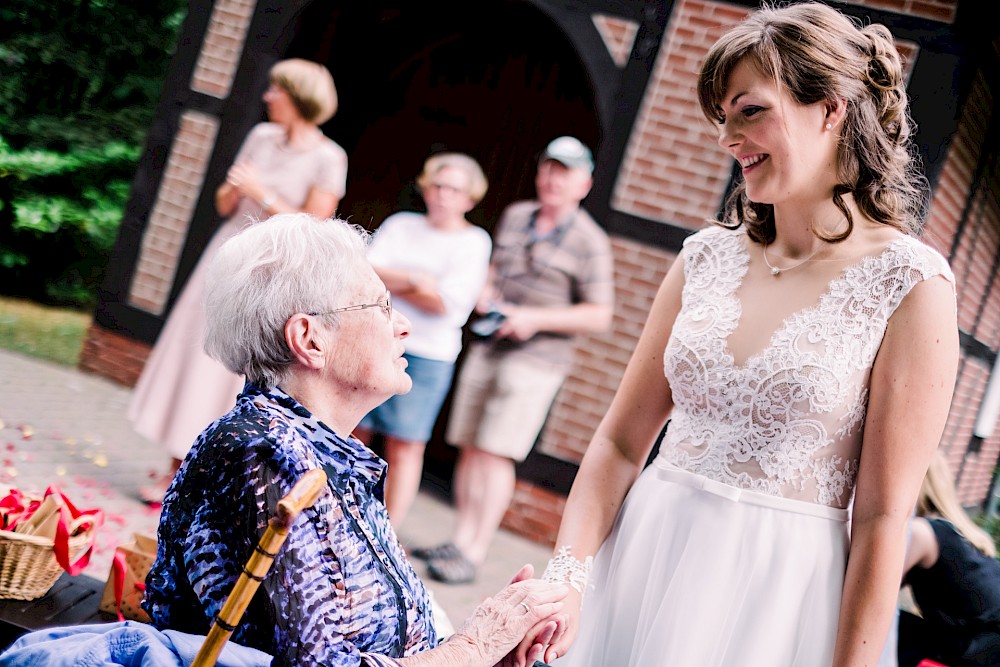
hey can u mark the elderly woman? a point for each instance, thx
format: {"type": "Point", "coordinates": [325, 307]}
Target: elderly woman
{"type": "Point", "coordinates": [293, 304]}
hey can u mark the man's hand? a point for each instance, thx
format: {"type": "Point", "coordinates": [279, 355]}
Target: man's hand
{"type": "Point", "coordinates": [521, 323]}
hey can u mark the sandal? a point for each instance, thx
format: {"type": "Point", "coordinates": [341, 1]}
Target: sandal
{"type": "Point", "coordinates": [452, 568]}
{"type": "Point", "coordinates": [153, 494]}
{"type": "Point", "coordinates": [432, 553]}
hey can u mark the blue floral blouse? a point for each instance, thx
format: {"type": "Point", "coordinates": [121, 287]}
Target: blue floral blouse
{"type": "Point", "coordinates": [340, 592]}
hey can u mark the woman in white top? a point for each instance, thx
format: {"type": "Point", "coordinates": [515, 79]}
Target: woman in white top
{"type": "Point", "coordinates": [435, 265]}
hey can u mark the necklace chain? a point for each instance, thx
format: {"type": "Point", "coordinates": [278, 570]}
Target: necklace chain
{"type": "Point", "coordinates": [775, 271]}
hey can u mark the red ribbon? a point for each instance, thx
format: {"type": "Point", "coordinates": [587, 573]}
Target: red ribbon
{"type": "Point", "coordinates": [118, 568]}
{"type": "Point", "coordinates": [71, 522]}
{"type": "Point", "coordinates": [14, 508]}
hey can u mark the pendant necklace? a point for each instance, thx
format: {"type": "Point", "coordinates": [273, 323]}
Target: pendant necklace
{"type": "Point", "coordinates": [775, 271]}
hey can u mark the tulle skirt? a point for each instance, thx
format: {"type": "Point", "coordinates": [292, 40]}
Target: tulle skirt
{"type": "Point", "coordinates": [701, 574]}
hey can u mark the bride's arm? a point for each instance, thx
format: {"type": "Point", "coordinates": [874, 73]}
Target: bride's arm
{"type": "Point", "coordinates": [621, 444]}
{"type": "Point", "coordinates": [911, 388]}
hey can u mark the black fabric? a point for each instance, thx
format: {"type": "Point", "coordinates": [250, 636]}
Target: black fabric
{"type": "Point", "coordinates": [959, 599]}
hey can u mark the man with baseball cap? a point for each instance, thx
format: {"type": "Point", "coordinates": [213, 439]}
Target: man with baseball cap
{"type": "Point", "coordinates": [551, 278]}
{"type": "Point", "coordinates": [571, 152]}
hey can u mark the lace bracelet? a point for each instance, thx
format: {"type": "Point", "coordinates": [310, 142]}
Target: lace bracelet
{"type": "Point", "coordinates": [565, 569]}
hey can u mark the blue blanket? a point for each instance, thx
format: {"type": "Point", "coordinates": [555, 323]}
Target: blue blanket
{"type": "Point", "coordinates": [128, 643]}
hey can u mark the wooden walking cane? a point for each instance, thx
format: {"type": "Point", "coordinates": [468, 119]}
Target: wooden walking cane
{"type": "Point", "coordinates": [303, 495]}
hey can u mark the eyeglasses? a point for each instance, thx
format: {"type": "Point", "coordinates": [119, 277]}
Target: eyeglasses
{"type": "Point", "coordinates": [447, 187]}
{"type": "Point", "coordinates": [385, 303]}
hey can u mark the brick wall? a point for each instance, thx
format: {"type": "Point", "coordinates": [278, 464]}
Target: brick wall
{"type": "Point", "coordinates": [618, 35]}
{"type": "Point", "coordinates": [184, 174]}
{"type": "Point", "coordinates": [223, 47]}
{"type": "Point", "coordinates": [937, 10]}
{"type": "Point", "coordinates": [671, 172]}
{"type": "Point", "coordinates": [969, 388]}
{"type": "Point", "coordinates": [113, 355]}
{"type": "Point", "coordinates": [163, 238]}
{"type": "Point", "coordinates": [601, 359]}
{"type": "Point", "coordinates": [978, 243]}
{"type": "Point", "coordinates": [535, 513]}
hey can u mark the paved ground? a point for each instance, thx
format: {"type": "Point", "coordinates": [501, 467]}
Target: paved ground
{"type": "Point", "coordinates": [65, 427]}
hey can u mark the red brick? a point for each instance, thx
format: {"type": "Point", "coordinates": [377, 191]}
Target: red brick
{"type": "Point", "coordinates": [113, 355]}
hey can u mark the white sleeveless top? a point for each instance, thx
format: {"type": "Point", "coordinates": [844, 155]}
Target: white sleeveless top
{"type": "Point", "coordinates": [789, 421]}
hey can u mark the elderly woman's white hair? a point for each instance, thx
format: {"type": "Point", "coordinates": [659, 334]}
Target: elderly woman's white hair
{"type": "Point", "coordinates": [287, 264]}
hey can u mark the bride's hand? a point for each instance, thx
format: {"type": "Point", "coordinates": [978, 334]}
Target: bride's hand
{"type": "Point", "coordinates": [565, 636]}
{"type": "Point", "coordinates": [497, 627]}
{"type": "Point", "coordinates": [532, 648]}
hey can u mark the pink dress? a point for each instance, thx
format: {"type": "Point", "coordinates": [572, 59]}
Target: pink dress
{"type": "Point", "coordinates": [182, 390]}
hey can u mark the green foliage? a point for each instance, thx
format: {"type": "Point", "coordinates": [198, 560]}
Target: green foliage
{"type": "Point", "coordinates": [60, 219]}
{"type": "Point", "coordinates": [991, 524]}
{"type": "Point", "coordinates": [79, 81]}
{"type": "Point", "coordinates": [68, 68]}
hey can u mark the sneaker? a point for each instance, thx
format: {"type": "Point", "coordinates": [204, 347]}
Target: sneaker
{"type": "Point", "coordinates": [431, 553]}
{"type": "Point", "coordinates": [452, 567]}
{"type": "Point", "coordinates": [152, 494]}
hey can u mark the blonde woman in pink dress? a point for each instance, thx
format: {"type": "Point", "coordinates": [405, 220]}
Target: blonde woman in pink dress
{"type": "Point", "coordinates": [285, 165]}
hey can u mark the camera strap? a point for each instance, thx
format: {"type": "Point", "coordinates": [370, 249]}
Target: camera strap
{"type": "Point", "coordinates": [554, 239]}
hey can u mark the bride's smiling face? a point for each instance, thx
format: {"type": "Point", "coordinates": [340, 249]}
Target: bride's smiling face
{"type": "Point", "coordinates": [784, 148]}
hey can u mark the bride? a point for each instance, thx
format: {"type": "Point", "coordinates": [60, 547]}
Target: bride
{"type": "Point", "coordinates": [805, 351]}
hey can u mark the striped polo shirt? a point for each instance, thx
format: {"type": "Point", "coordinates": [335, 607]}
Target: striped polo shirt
{"type": "Point", "coordinates": [573, 264]}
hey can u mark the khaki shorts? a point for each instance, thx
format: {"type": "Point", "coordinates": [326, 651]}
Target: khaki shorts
{"type": "Point", "coordinates": [500, 403]}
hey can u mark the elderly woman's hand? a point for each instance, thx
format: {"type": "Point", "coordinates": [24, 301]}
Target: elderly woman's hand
{"type": "Point", "coordinates": [536, 643]}
{"type": "Point", "coordinates": [514, 626]}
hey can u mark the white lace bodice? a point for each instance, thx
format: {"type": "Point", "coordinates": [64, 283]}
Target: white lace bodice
{"type": "Point", "coordinates": [788, 422]}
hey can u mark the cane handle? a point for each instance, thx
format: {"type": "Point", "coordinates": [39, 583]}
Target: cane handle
{"type": "Point", "coordinates": [305, 492]}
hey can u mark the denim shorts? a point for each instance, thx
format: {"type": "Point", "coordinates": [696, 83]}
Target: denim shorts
{"type": "Point", "coordinates": [411, 416]}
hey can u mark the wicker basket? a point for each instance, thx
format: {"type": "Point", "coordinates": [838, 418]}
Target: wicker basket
{"type": "Point", "coordinates": [28, 566]}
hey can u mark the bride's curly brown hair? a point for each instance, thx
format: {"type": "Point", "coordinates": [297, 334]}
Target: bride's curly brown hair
{"type": "Point", "coordinates": [817, 54]}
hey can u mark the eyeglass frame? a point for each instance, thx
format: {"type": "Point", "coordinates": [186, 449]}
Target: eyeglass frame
{"type": "Point", "coordinates": [385, 303]}
{"type": "Point", "coordinates": [448, 187]}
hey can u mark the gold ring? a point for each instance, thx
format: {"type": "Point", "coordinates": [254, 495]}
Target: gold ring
{"type": "Point", "coordinates": [527, 609]}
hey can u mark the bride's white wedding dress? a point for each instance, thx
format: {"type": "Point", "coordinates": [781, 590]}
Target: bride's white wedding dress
{"type": "Point", "coordinates": [730, 549]}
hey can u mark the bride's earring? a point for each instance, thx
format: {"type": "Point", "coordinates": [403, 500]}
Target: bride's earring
{"type": "Point", "coordinates": [829, 127]}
